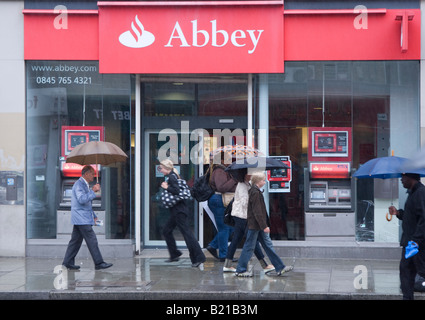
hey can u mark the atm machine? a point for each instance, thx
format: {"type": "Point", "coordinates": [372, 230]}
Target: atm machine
{"type": "Point", "coordinates": [330, 192]}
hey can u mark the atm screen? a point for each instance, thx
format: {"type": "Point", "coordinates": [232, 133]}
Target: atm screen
{"type": "Point", "coordinates": [67, 193]}
{"type": "Point", "coordinates": [279, 173]}
{"type": "Point", "coordinates": [317, 195]}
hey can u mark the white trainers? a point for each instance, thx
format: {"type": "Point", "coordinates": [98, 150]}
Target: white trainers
{"type": "Point", "coordinates": [245, 274]}
{"type": "Point", "coordinates": [229, 269]}
{"type": "Point", "coordinates": [269, 268]}
{"type": "Point", "coordinates": [285, 270]}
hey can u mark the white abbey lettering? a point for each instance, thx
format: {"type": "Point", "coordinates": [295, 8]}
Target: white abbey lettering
{"type": "Point", "coordinates": [219, 38]}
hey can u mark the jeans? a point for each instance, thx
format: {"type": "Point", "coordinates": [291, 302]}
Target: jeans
{"type": "Point", "coordinates": [248, 249]}
{"type": "Point", "coordinates": [239, 231]}
{"type": "Point", "coordinates": [80, 233]}
{"type": "Point", "coordinates": [221, 239]}
{"type": "Point", "coordinates": [179, 219]}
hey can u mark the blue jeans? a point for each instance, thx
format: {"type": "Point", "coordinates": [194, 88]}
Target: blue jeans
{"type": "Point", "coordinates": [248, 249]}
{"type": "Point", "coordinates": [221, 239]}
{"type": "Point", "coordinates": [239, 232]}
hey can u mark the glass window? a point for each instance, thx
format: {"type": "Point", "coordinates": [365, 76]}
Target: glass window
{"type": "Point", "coordinates": [379, 100]}
{"type": "Point", "coordinates": [194, 95]}
{"type": "Point", "coordinates": [67, 100]}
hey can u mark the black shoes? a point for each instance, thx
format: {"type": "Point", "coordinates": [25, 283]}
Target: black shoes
{"type": "Point", "coordinates": [72, 267]}
{"type": "Point", "coordinates": [176, 258]}
{"type": "Point", "coordinates": [103, 265]}
{"type": "Point", "coordinates": [213, 252]}
{"type": "Point", "coordinates": [173, 259]}
{"type": "Point", "coordinates": [198, 263]}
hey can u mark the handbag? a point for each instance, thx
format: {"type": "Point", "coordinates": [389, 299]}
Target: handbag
{"type": "Point", "coordinates": [201, 189]}
{"type": "Point", "coordinates": [228, 218]}
{"type": "Point", "coordinates": [227, 197]}
{"type": "Point", "coordinates": [169, 200]}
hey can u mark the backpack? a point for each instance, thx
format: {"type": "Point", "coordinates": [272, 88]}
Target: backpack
{"type": "Point", "coordinates": [201, 189]}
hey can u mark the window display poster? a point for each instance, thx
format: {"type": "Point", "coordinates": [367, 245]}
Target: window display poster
{"type": "Point", "coordinates": [72, 136]}
{"type": "Point", "coordinates": [279, 180]}
{"type": "Point", "coordinates": [329, 143]}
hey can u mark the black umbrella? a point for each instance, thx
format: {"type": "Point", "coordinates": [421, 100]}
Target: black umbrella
{"type": "Point", "coordinates": [238, 168]}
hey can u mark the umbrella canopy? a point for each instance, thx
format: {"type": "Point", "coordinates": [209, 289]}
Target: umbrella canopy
{"type": "Point", "coordinates": [262, 163]}
{"type": "Point", "coordinates": [96, 152]}
{"type": "Point", "coordinates": [238, 169]}
{"type": "Point", "coordinates": [385, 168]}
{"type": "Point", "coordinates": [237, 151]}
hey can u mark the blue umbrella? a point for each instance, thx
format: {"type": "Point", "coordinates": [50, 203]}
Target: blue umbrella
{"type": "Point", "coordinates": [385, 168]}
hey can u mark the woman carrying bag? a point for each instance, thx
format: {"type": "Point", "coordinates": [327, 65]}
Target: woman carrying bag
{"type": "Point", "coordinates": [178, 218]}
{"type": "Point", "coordinates": [239, 213]}
{"type": "Point", "coordinates": [221, 182]}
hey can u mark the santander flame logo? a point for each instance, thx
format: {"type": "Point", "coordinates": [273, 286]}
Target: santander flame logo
{"type": "Point", "coordinates": [137, 37]}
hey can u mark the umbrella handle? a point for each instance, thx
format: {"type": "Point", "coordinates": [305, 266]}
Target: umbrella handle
{"type": "Point", "coordinates": [388, 218]}
{"type": "Point", "coordinates": [97, 172]}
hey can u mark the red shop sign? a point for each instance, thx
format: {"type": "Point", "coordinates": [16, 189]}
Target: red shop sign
{"type": "Point", "coordinates": [182, 37]}
{"type": "Point", "coordinates": [326, 170]}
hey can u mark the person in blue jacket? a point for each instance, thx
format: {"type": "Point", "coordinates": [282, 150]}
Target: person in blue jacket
{"type": "Point", "coordinates": [83, 218]}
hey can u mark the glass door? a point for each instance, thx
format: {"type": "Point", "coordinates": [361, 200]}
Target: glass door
{"type": "Point", "coordinates": [191, 107]}
{"type": "Point", "coordinates": [155, 216]}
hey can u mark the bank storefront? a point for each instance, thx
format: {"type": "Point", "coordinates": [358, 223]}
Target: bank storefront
{"type": "Point", "coordinates": [205, 77]}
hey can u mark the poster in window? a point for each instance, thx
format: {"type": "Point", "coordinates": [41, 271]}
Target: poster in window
{"type": "Point", "coordinates": [332, 143]}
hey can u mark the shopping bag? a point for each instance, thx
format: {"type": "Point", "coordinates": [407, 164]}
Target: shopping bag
{"type": "Point", "coordinates": [228, 218]}
{"type": "Point", "coordinates": [411, 249]}
{"type": "Point", "coordinates": [169, 200]}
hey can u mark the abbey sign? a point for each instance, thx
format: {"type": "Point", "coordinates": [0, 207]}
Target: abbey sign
{"type": "Point", "coordinates": [222, 38]}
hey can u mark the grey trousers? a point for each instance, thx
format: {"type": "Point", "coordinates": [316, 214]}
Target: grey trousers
{"type": "Point", "coordinates": [79, 233]}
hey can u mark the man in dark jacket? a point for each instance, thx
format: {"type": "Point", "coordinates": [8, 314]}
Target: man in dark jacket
{"type": "Point", "coordinates": [413, 217]}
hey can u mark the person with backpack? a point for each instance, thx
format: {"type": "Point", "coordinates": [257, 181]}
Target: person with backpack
{"type": "Point", "coordinates": [221, 182]}
{"type": "Point", "coordinates": [178, 218]}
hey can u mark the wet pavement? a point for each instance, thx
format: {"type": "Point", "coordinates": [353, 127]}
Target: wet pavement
{"type": "Point", "coordinates": [149, 277]}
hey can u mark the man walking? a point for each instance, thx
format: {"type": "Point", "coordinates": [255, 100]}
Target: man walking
{"type": "Point", "coordinates": [413, 217]}
{"type": "Point", "coordinates": [83, 218]}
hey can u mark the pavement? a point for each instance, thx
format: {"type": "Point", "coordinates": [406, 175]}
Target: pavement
{"type": "Point", "coordinates": [149, 277]}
